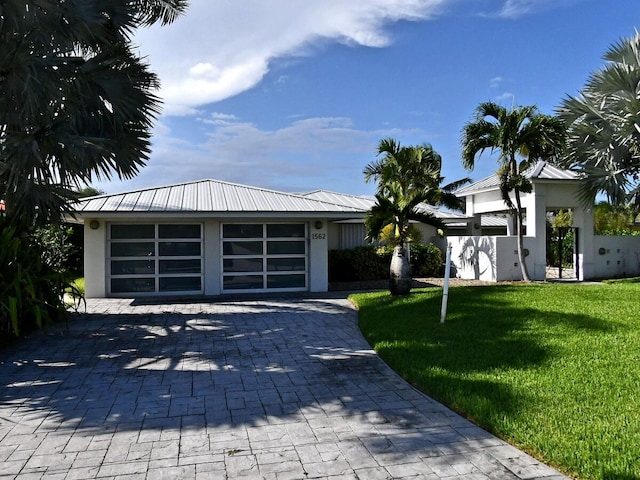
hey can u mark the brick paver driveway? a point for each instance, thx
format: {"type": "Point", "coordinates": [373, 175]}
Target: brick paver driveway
{"type": "Point", "coordinates": [267, 388]}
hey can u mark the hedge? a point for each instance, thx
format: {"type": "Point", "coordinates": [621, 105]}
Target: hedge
{"type": "Point", "coordinates": [372, 263]}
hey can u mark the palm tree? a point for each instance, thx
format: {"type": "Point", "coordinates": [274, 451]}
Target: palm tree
{"type": "Point", "coordinates": [603, 128]}
{"type": "Point", "coordinates": [522, 135]}
{"type": "Point", "coordinates": [407, 177]}
{"type": "Point", "coordinates": [76, 102]}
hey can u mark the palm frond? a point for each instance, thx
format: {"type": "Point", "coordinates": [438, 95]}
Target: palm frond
{"type": "Point", "coordinates": [406, 177]}
{"type": "Point", "coordinates": [603, 125]}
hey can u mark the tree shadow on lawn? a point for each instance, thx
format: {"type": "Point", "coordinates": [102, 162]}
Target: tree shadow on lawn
{"type": "Point", "coordinates": [483, 338]}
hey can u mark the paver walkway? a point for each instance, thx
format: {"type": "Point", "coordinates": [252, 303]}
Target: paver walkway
{"type": "Point", "coordinates": [262, 389]}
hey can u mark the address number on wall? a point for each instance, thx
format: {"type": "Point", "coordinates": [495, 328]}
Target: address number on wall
{"type": "Point", "coordinates": [318, 236]}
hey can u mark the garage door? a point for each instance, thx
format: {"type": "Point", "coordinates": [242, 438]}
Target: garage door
{"type": "Point", "coordinates": [154, 258]}
{"type": "Point", "coordinates": [264, 257]}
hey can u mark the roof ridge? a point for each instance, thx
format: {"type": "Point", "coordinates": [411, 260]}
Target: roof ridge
{"type": "Point", "coordinates": [222, 183]}
{"type": "Point", "coordinates": [145, 189]}
{"type": "Point", "coordinates": [322, 190]}
{"type": "Point", "coordinates": [537, 168]}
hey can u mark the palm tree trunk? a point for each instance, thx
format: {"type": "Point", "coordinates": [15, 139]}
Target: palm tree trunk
{"type": "Point", "coordinates": [399, 271]}
{"type": "Point", "coordinates": [520, 228]}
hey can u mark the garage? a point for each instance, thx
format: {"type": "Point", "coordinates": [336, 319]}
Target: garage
{"type": "Point", "coordinates": [207, 237]}
{"type": "Point", "coordinates": [155, 258]}
{"type": "Point", "coordinates": [264, 257]}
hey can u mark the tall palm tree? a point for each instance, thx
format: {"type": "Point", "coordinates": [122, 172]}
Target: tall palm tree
{"type": "Point", "coordinates": [522, 135]}
{"type": "Point", "coordinates": [603, 128]}
{"type": "Point", "coordinates": [76, 103]}
{"type": "Point", "coordinates": [407, 177]}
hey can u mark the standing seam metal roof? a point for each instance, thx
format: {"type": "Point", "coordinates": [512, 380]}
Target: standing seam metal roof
{"type": "Point", "coordinates": [209, 196]}
{"type": "Point", "coordinates": [540, 171]}
{"type": "Point", "coordinates": [366, 202]}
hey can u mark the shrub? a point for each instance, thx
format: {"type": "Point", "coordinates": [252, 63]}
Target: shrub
{"type": "Point", "coordinates": [360, 263]}
{"type": "Point", "coordinates": [33, 283]}
{"type": "Point", "coordinates": [372, 263]}
{"type": "Point", "coordinates": [55, 248]}
{"type": "Point", "coordinates": [426, 260]}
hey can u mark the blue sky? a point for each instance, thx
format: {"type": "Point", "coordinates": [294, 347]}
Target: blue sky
{"type": "Point", "coordinates": [295, 95]}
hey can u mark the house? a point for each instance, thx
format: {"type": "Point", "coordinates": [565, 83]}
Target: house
{"type": "Point", "coordinates": [350, 233]}
{"type": "Point", "coordinates": [206, 237]}
{"type": "Point", "coordinates": [211, 237]}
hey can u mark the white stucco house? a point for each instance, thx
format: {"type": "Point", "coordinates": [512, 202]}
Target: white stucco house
{"type": "Point", "coordinates": [206, 237]}
{"type": "Point", "coordinates": [211, 237]}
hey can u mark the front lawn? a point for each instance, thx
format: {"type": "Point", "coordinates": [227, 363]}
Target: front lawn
{"type": "Point", "coordinates": [552, 368]}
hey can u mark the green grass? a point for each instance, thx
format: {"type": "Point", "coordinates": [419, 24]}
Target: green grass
{"type": "Point", "coordinates": [552, 368]}
{"type": "Point", "coordinates": [623, 280]}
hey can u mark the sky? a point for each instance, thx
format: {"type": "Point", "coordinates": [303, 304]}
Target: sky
{"type": "Point", "coordinates": [295, 95]}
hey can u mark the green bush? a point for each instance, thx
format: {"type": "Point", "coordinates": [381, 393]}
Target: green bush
{"type": "Point", "coordinates": [55, 248]}
{"type": "Point", "coordinates": [33, 282]}
{"type": "Point", "coordinates": [372, 263]}
{"type": "Point", "coordinates": [426, 260]}
{"type": "Point", "coordinates": [357, 264]}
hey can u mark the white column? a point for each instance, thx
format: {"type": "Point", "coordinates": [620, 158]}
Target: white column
{"type": "Point", "coordinates": [537, 228]}
{"type": "Point", "coordinates": [583, 221]}
{"type": "Point", "coordinates": [511, 225]}
{"type": "Point", "coordinates": [318, 256]}
{"type": "Point", "coordinates": [95, 258]}
{"type": "Point", "coordinates": [212, 258]}
{"type": "Point", "coordinates": [474, 225]}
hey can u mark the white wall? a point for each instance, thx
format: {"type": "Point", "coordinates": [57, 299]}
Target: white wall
{"type": "Point", "coordinates": [490, 259]}
{"type": "Point", "coordinates": [348, 235]}
{"type": "Point", "coordinates": [616, 256]}
{"type": "Point", "coordinates": [474, 257]}
{"type": "Point", "coordinates": [495, 259]}
{"type": "Point", "coordinates": [333, 232]}
{"type": "Point", "coordinates": [95, 249]}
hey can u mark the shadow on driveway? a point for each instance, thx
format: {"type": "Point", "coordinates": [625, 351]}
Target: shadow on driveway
{"type": "Point", "coordinates": [263, 388]}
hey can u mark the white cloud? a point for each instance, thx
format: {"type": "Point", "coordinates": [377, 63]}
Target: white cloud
{"type": "Point", "coordinates": [506, 96]}
{"type": "Point", "coordinates": [309, 153]}
{"type": "Point", "coordinates": [217, 118]}
{"type": "Point", "coordinates": [495, 82]}
{"type": "Point", "coordinates": [518, 8]}
{"type": "Point", "coordinates": [222, 48]}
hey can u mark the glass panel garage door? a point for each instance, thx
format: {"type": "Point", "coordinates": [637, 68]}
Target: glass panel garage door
{"type": "Point", "coordinates": [155, 258]}
{"type": "Point", "coordinates": [266, 257]}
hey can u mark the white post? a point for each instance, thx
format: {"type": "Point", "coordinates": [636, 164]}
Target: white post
{"type": "Point", "coordinates": [445, 290]}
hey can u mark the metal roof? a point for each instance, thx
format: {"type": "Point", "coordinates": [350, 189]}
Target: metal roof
{"type": "Point", "coordinates": [540, 171]}
{"type": "Point", "coordinates": [486, 221]}
{"type": "Point", "coordinates": [366, 202]}
{"type": "Point", "coordinates": [209, 196]}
